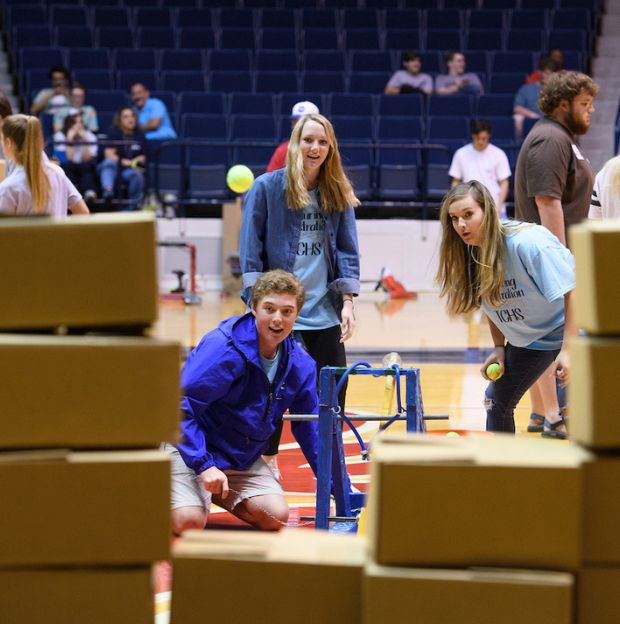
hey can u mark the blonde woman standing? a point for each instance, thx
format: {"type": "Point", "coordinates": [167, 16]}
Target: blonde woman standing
{"type": "Point", "coordinates": [522, 277]}
{"type": "Point", "coordinates": [35, 186]}
{"type": "Point", "coordinates": [302, 219]}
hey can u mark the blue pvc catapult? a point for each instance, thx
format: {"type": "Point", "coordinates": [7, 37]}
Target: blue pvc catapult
{"type": "Point", "coordinates": [331, 461]}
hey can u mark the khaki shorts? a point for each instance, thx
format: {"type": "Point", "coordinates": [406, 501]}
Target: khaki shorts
{"type": "Point", "coordinates": [188, 491]}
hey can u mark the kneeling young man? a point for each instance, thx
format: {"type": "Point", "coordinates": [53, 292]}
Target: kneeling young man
{"type": "Point", "coordinates": [236, 385]}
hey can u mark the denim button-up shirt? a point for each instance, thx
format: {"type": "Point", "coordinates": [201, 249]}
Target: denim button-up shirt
{"type": "Point", "coordinates": [270, 234]}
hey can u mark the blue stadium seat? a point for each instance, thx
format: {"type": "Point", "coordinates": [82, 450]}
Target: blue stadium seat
{"type": "Point", "coordinates": [200, 38]}
{"type": "Point", "coordinates": [444, 19]}
{"type": "Point", "coordinates": [105, 119]}
{"type": "Point", "coordinates": [431, 62]}
{"type": "Point", "coordinates": [326, 60]}
{"type": "Point", "coordinates": [149, 17]}
{"type": "Point", "coordinates": [367, 60]}
{"type": "Point", "coordinates": [402, 105]}
{"type": "Point", "coordinates": [402, 18]}
{"type": "Point", "coordinates": [350, 129]}
{"type": "Point", "coordinates": [130, 58]}
{"type": "Point", "coordinates": [68, 16]}
{"type": "Point", "coordinates": [360, 18]}
{"type": "Point", "coordinates": [169, 98]}
{"type": "Point", "coordinates": [117, 37]}
{"type": "Point", "coordinates": [529, 19]}
{"type": "Point", "coordinates": [194, 18]}
{"type": "Point", "coordinates": [155, 38]}
{"type": "Point", "coordinates": [494, 105]}
{"type": "Point", "coordinates": [205, 103]}
{"type": "Point", "coordinates": [537, 4]}
{"type": "Point", "coordinates": [252, 104]}
{"type": "Point", "coordinates": [73, 37]}
{"type": "Point", "coordinates": [30, 36]}
{"type": "Point", "coordinates": [568, 39]}
{"type": "Point", "coordinates": [351, 104]}
{"type": "Point", "coordinates": [481, 39]}
{"type": "Point", "coordinates": [447, 128]}
{"type": "Point", "coordinates": [229, 60]}
{"type": "Point", "coordinates": [106, 100]}
{"type": "Point", "coordinates": [506, 83]}
{"type": "Point", "coordinates": [323, 81]}
{"type": "Point", "coordinates": [525, 40]}
{"type": "Point", "coordinates": [208, 181]}
{"type": "Point", "coordinates": [227, 82]}
{"type": "Point", "coordinates": [277, 18]}
{"type": "Point", "coordinates": [276, 81]}
{"type": "Point", "coordinates": [237, 38]}
{"type": "Point", "coordinates": [88, 58]}
{"type": "Point", "coordinates": [570, 18]}
{"type": "Point", "coordinates": [382, 4]}
{"type": "Point", "coordinates": [318, 18]}
{"type": "Point", "coordinates": [278, 39]}
{"type": "Point", "coordinates": [512, 62]}
{"type": "Point", "coordinates": [94, 78]}
{"type": "Point", "coordinates": [25, 15]}
{"type": "Point", "coordinates": [108, 16]}
{"type": "Point", "coordinates": [190, 80]}
{"type": "Point", "coordinates": [40, 57]}
{"type": "Point", "coordinates": [236, 18]}
{"type": "Point", "coordinates": [320, 39]}
{"type": "Point", "coordinates": [36, 79]}
{"type": "Point", "coordinates": [444, 40]}
{"type": "Point", "coordinates": [201, 126]}
{"type": "Point", "coordinates": [367, 82]}
{"type": "Point", "coordinates": [253, 128]}
{"type": "Point", "coordinates": [182, 60]}
{"type": "Point", "coordinates": [487, 19]}
{"type": "Point", "coordinates": [395, 129]}
{"type": "Point", "coordinates": [362, 39]}
{"type": "Point", "coordinates": [402, 39]}
{"type": "Point", "coordinates": [272, 60]}
{"type": "Point", "coordinates": [441, 106]}
{"type": "Point", "coordinates": [503, 130]}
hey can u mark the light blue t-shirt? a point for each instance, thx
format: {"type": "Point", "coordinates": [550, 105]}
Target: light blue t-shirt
{"type": "Point", "coordinates": [152, 108]}
{"type": "Point", "coordinates": [527, 96]}
{"type": "Point", "coordinates": [538, 272]}
{"type": "Point", "coordinates": [271, 366]}
{"type": "Point", "coordinates": [312, 270]}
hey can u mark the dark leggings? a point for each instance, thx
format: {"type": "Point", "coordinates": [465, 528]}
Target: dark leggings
{"type": "Point", "coordinates": [521, 370]}
{"type": "Point", "coordinates": [325, 348]}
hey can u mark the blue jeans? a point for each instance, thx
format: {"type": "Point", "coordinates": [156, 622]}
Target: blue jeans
{"type": "Point", "coordinates": [521, 369]}
{"type": "Point", "coordinates": [132, 178]}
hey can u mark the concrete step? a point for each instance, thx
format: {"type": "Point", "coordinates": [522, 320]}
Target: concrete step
{"type": "Point", "coordinates": [610, 24]}
{"type": "Point", "coordinates": [608, 45]}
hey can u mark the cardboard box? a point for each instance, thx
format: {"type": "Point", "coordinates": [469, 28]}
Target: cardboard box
{"type": "Point", "coordinates": [476, 596]}
{"type": "Point", "coordinates": [601, 512]}
{"type": "Point", "coordinates": [598, 596]}
{"type": "Point", "coordinates": [594, 392]}
{"type": "Point", "coordinates": [86, 271]}
{"type": "Point", "coordinates": [99, 508]}
{"type": "Point", "coordinates": [476, 501]}
{"type": "Point", "coordinates": [596, 245]}
{"type": "Point", "coordinates": [88, 392]}
{"type": "Point", "coordinates": [293, 576]}
{"type": "Point", "coordinates": [77, 596]}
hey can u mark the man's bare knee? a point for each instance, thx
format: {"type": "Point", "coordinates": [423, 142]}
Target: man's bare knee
{"type": "Point", "coordinates": [186, 518]}
{"type": "Point", "coordinates": [266, 513]}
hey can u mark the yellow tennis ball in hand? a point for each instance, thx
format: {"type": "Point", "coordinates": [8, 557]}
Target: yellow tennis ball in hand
{"type": "Point", "coordinates": [239, 178]}
{"type": "Point", "coordinates": [494, 371]}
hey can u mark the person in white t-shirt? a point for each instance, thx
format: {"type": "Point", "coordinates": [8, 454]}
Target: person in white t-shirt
{"type": "Point", "coordinates": [605, 202]}
{"type": "Point", "coordinates": [483, 161]}
{"type": "Point", "coordinates": [34, 186]}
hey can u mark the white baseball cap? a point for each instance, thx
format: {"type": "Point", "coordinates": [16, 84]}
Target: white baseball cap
{"type": "Point", "coordinates": [304, 108]}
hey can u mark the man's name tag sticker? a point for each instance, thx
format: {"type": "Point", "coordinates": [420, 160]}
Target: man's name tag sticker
{"type": "Point", "coordinates": [577, 153]}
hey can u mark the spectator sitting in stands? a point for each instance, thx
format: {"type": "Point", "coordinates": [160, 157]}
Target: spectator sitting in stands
{"type": "Point", "coordinates": [153, 118]}
{"type": "Point", "coordinates": [456, 81]}
{"type": "Point", "coordinates": [409, 79]}
{"type": "Point", "coordinates": [555, 54]}
{"type": "Point", "coordinates": [128, 159]}
{"type": "Point", "coordinates": [482, 161]}
{"type": "Point", "coordinates": [49, 100]}
{"type": "Point", "coordinates": [77, 160]}
{"type": "Point", "coordinates": [526, 100]}
{"type": "Point", "coordinates": [77, 106]}
{"type": "Point", "coordinates": [278, 159]}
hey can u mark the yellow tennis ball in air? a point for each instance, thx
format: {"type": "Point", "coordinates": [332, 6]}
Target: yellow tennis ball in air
{"type": "Point", "coordinates": [494, 371]}
{"type": "Point", "coordinates": [452, 434]}
{"type": "Point", "coordinates": [239, 178]}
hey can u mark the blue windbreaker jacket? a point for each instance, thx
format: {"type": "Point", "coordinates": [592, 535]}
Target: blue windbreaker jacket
{"type": "Point", "coordinates": [230, 408]}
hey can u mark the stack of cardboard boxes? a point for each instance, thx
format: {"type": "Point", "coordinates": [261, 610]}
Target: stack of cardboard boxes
{"type": "Point", "coordinates": [594, 398]}
{"type": "Point", "coordinates": [85, 492]}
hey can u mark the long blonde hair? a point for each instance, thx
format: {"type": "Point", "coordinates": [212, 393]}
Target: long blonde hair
{"type": "Point", "coordinates": [25, 132]}
{"type": "Point", "coordinates": [467, 275]}
{"type": "Point", "coordinates": [335, 189]}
